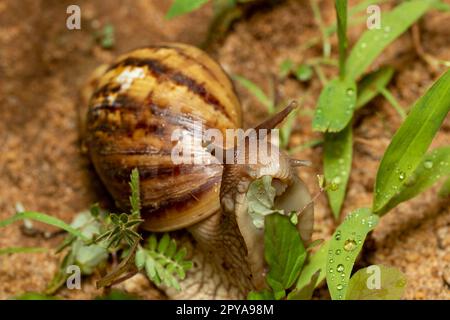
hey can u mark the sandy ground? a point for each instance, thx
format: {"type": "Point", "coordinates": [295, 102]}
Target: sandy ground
{"type": "Point", "coordinates": [43, 66]}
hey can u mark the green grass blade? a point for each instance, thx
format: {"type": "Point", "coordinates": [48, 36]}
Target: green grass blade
{"type": "Point", "coordinates": [411, 141]}
{"type": "Point", "coordinates": [42, 217]}
{"type": "Point", "coordinates": [373, 42]}
{"type": "Point", "coordinates": [256, 91]}
{"type": "Point", "coordinates": [336, 104]}
{"type": "Point", "coordinates": [370, 85]}
{"type": "Point", "coordinates": [391, 99]}
{"type": "Point", "coordinates": [180, 7]}
{"type": "Point", "coordinates": [315, 264]}
{"type": "Point", "coordinates": [337, 162]}
{"type": "Point", "coordinates": [344, 247]}
{"type": "Point", "coordinates": [341, 13]}
{"type": "Point", "coordinates": [21, 250]}
{"type": "Point", "coordinates": [434, 166]}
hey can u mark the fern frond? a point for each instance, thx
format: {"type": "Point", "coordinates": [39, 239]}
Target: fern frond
{"type": "Point", "coordinates": [163, 263]}
{"type": "Point", "coordinates": [135, 198]}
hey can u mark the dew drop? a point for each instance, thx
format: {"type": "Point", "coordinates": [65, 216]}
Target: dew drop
{"type": "Point", "coordinates": [350, 92]}
{"type": "Point", "coordinates": [338, 236]}
{"type": "Point", "coordinates": [401, 176]}
{"type": "Point", "coordinates": [339, 286]}
{"type": "Point", "coordinates": [428, 164]}
{"type": "Point", "coordinates": [349, 245]}
{"type": "Point", "coordinates": [340, 268]}
{"type": "Point", "coordinates": [338, 251]}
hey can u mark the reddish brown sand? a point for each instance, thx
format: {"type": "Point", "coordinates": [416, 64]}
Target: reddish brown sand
{"type": "Point", "coordinates": [43, 66]}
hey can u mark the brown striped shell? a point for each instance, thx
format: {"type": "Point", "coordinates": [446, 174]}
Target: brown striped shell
{"type": "Point", "coordinates": [138, 102]}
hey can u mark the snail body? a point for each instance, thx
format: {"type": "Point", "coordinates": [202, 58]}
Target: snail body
{"type": "Point", "coordinates": [135, 107]}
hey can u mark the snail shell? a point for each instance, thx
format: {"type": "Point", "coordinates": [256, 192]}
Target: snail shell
{"type": "Point", "coordinates": [138, 103]}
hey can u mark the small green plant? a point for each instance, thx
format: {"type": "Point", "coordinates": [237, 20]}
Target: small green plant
{"type": "Point", "coordinates": [344, 94]}
{"type": "Point", "coordinates": [405, 171]}
{"type": "Point", "coordinates": [95, 235]}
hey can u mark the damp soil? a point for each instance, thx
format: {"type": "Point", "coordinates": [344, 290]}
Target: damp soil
{"type": "Point", "coordinates": [43, 66]}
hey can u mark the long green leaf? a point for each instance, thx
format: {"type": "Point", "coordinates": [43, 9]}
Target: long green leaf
{"type": "Point", "coordinates": [284, 253]}
{"type": "Point", "coordinates": [373, 42]}
{"type": "Point", "coordinates": [434, 166]}
{"type": "Point", "coordinates": [337, 163]}
{"type": "Point", "coordinates": [21, 250]}
{"type": "Point", "coordinates": [255, 90]}
{"type": "Point", "coordinates": [411, 141]}
{"type": "Point", "coordinates": [370, 85]}
{"type": "Point", "coordinates": [344, 248]}
{"type": "Point", "coordinates": [336, 104]}
{"type": "Point", "coordinates": [180, 7]}
{"type": "Point", "coordinates": [42, 217]}
{"type": "Point", "coordinates": [341, 13]}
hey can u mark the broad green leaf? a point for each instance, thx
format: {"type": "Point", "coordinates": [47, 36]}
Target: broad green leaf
{"type": "Point", "coordinates": [376, 282]}
{"type": "Point", "coordinates": [284, 253]}
{"type": "Point", "coordinates": [341, 13]}
{"type": "Point", "coordinates": [307, 291]}
{"type": "Point", "coordinates": [314, 264]}
{"type": "Point", "coordinates": [434, 166]}
{"type": "Point", "coordinates": [180, 7]}
{"type": "Point", "coordinates": [337, 163]}
{"type": "Point", "coordinates": [370, 85]}
{"type": "Point", "coordinates": [344, 248]}
{"type": "Point", "coordinates": [445, 189]}
{"type": "Point", "coordinates": [374, 41]}
{"type": "Point", "coordinates": [87, 256]}
{"type": "Point", "coordinates": [411, 141]}
{"type": "Point", "coordinates": [335, 107]}
{"type": "Point", "coordinates": [256, 91]}
{"type": "Point", "coordinates": [21, 250]}
{"type": "Point", "coordinates": [260, 198]}
{"type": "Point", "coordinates": [41, 217]}
{"type": "Point", "coordinates": [261, 295]}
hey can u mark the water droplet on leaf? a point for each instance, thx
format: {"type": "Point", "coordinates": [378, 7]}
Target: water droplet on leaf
{"type": "Point", "coordinates": [349, 245]}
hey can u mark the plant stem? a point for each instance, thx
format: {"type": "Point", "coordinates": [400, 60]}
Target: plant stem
{"type": "Point", "coordinates": [323, 79]}
{"type": "Point", "coordinates": [319, 21]}
{"type": "Point", "coordinates": [391, 99]}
